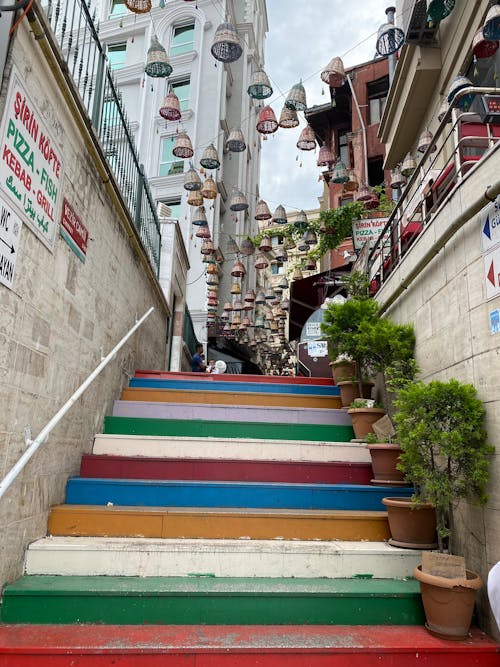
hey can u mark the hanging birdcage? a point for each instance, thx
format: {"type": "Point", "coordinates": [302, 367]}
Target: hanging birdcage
{"type": "Point", "coordinates": [260, 298]}
{"type": "Point", "coordinates": [259, 88]}
{"type": "Point", "coordinates": [491, 27]}
{"type": "Point", "coordinates": [310, 238]}
{"type": "Point", "coordinates": [285, 305]}
{"type": "Point", "coordinates": [409, 165]}
{"type": "Point", "coordinates": [334, 73]}
{"type": "Point", "coordinates": [482, 47]}
{"type": "Point", "coordinates": [459, 83]}
{"type": "Point", "coordinates": [232, 247]}
{"type": "Point", "coordinates": [261, 261]}
{"type": "Point", "coordinates": [267, 123]}
{"type": "Point", "coordinates": [209, 189]}
{"type": "Point", "coordinates": [265, 244]}
{"type": "Point", "coordinates": [339, 174]}
{"type": "Point", "coordinates": [138, 6]}
{"type": "Point", "coordinates": [437, 10]}
{"type": "Point", "coordinates": [195, 198]}
{"type": "Point", "coordinates": [259, 322]}
{"type": "Point", "coordinates": [364, 193]}
{"type": "Point", "coordinates": [171, 109]}
{"type": "Point", "coordinates": [238, 270]}
{"type": "Point", "coordinates": [389, 40]}
{"type": "Point", "coordinates": [192, 180]}
{"type": "Point", "coordinates": [280, 254]}
{"type": "Point", "coordinates": [269, 294]}
{"type": "Point", "coordinates": [247, 322]}
{"type": "Point", "coordinates": [207, 247]}
{"type": "Point", "coordinates": [183, 147]}
{"type": "Point", "coordinates": [352, 184]}
{"type": "Point", "coordinates": [443, 109]}
{"type": "Point", "coordinates": [212, 267]}
{"type": "Point", "coordinates": [228, 307]}
{"type": "Point", "coordinates": [288, 118]}
{"type": "Point", "coordinates": [283, 283]}
{"type": "Point", "coordinates": [307, 139]}
{"type": "Point", "coordinates": [212, 280]}
{"type": "Point", "coordinates": [279, 216]}
{"type": "Point", "coordinates": [296, 98]}
{"type": "Point", "coordinates": [236, 287]}
{"type": "Point", "coordinates": [247, 248]}
{"type": "Point", "coordinates": [250, 296]}
{"type": "Point", "coordinates": [301, 221]}
{"type": "Point", "coordinates": [237, 305]}
{"type": "Point", "coordinates": [236, 141]}
{"type": "Point", "coordinates": [210, 158]}
{"type": "Point", "coordinates": [302, 246]}
{"type": "Point", "coordinates": [157, 64]}
{"type": "Point", "coordinates": [297, 273]}
{"type": "Point", "coordinates": [397, 179]}
{"type": "Point", "coordinates": [262, 211]}
{"type": "Point", "coordinates": [325, 156]}
{"type": "Point", "coordinates": [310, 265]}
{"type": "Point", "coordinates": [200, 217]}
{"type": "Point", "coordinates": [203, 232]}
{"type": "Point", "coordinates": [238, 201]}
{"type": "Point", "coordinates": [211, 301]}
{"type": "Point", "coordinates": [226, 46]}
{"type": "Point", "coordinates": [425, 140]}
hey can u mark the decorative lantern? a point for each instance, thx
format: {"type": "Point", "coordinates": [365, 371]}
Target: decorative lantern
{"type": "Point", "coordinates": [310, 265]}
{"type": "Point", "coordinates": [425, 140]}
{"type": "Point", "coordinates": [207, 247]}
{"type": "Point", "coordinates": [203, 232]}
{"type": "Point", "coordinates": [259, 87]}
{"type": "Point", "coordinates": [247, 247]}
{"type": "Point", "coordinates": [459, 83]}
{"type": "Point", "coordinates": [307, 140]}
{"type": "Point", "coordinates": [236, 288]}
{"type": "Point", "coordinates": [352, 184]}
{"type": "Point", "coordinates": [397, 179]}
{"type": "Point", "coordinates": [226, 46]}
{"type": "Point", "coordinates": [262, 211]}
{"type": "Point", "coordinates": [238, 201]}
{"type": "Point", "coordinates": [195, 198]}
{"type": "Point", "coordinates": [443, 109]}
{"type": "Point", "coordinates": [267, 123]}
{"type": "Point", "coordinates": [437, 10]}
{"type": "Point", "coordinates": [183, 147]}
{"type": "Point", "coordinates": [228, 307]}
{"type": "Point", "coordinates": [238, 270]}
{"type": "Point", "coordinates": [237, 305]}
{"type": "Point", "coordinates": [325, 156]}
{"type": "Point", "coordinates": [283, 283]}
{"type": "Point", "coordinates": [491, 27]}
{"type": "Point", "coordinates": [301, 221]}
{"type": "Point", "coordinates": [212, 280]}
{"type": "Point", "coordinates": [246, 322]}
{"type": "Point", "coordinates": [364, 193]}
{"type": "Point", "coordinates": [157, 64]}
{"type": "Point", "coordinates": [236, 141]}
{"type": "Point", "coordinates": [302, 245]}
{"type": "Point", "coordinates": [209, 189]}
{"type": "Point", "coordinates": [409, 165]}
{"type": "Point", "coordinates": [269, 294]}
{"type": "Point", "coordinates": [296, 98]}
{"type": "Point", "coordinates": [482, 47]}
{"type": "Point", "coordinates": [250, 296]}
{"type": "Point", "coordinates": [280, 254]}
{"type": "Point", "coordinates": [288, 118]}
{"type": "Point", "coordinates": [212, 267]}
{"type": "Point", "coordinates": [261, 261]}
{"type": "Point", "coordinates": [297, 274]}
{"type": "Point", "coordinates": [232, 247]}
{"type": "Point", "coordinates": [389, 39]}
{"type": "Point", "coordinates": [285, 305]}
{"type": "Point", "coordinates": [289, 244]}
{"type": "Point", "coordinates": [200, 217]}
{"type": "Point", "coordinates": [259, 322]}
{"type": "Point", "coordinates": [310, 238]}
{"type": "Point", "coordinates": [334, 73]}
{"type": "Point", "coordinates": [339, 174]}
{"type": "Point", "coordinates": [279, 216]}
{"type": "Point", "coordinates": [138, 6]}
{"type": "Point", "coordinates": [171, 109]}
{"type": "Point", "coordinates": [236, 319]}
{"type": "Point", "coordinates": [260, 298]}
{"type": "Point", "coordinates": [192, 180]}
{"type": "Point", "coordinates": [210, 158]}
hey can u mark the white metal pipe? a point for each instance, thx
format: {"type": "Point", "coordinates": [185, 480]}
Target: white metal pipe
{"type": "Point", "coordinates": [40, 439]}
{"type": "Point", "coordinates": [363, 128]}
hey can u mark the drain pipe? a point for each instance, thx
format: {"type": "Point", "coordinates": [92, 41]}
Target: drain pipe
{"type": "Point", "coordinates": [363, 127]}
{"type": "Point", "coordinates": [390, 12]}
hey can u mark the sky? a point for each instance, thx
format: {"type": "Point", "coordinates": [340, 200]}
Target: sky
{"type": "Point", "coordinates": [304, 35]}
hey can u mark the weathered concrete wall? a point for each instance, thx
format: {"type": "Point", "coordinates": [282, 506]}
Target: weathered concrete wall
{"type": "Point", "coordinates": [58, 319]}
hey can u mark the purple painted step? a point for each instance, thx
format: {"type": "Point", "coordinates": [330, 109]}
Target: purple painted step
{"type": "Point", "coordinates": [237, 413]}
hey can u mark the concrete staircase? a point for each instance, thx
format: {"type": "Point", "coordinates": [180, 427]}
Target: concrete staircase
{"type": "Point", "coordinates": [223, 520]}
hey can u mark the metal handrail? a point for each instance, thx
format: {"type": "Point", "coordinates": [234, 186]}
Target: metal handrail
{"type": "Point", "coordinates": [34, 445]}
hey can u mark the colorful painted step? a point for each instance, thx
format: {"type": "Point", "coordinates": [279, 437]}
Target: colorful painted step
{"type": "Point", "coordinates": [231, 646]}
{"type": "Point", "coordinates": [215, 523]}
{"type": "Point", "coordinates": [227, 448]}
{"type": "Point", "coordinates": [180, 493]}
{"type": "Point", "coordinates": [212, 601]}
{"type": "Point", "coordinates": [209, 397]}
{"type": "Point", "coordinates": [226, 429]}
{"type": "Point", "coordinates": [235, 413]}
{"type": "Point", "coordinates": [228, 377]}
{"type": "Point", "coordinates": [223, 385]}
{"type": "Point", "coordinates": [143, 557]}
{"type": "Point", "coordinates": [304, 472]}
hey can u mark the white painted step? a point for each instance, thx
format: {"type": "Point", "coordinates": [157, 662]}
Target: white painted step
{"type": "Point", "coordinates": [85, 556]}
{"type": "Point", "coordinates": [229, 448]}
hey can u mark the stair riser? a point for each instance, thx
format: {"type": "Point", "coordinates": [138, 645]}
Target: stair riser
{"type": "Point", "coordinates": [85, 491]}
{"type": "Point", "coordinates": [228, 377]}
{"type": "Point", "coordinates": [197, 428]}
{"type": "Point", "coordinates": [224, 448]}
{"type": "Point", "coordinates": [236, 413]}
{"type": "Point", "coordinates": [114, 522]}
{"type": "Point", "coordinates": [262, 387]}
{"type": "Point", "coordinates": [216, 470]}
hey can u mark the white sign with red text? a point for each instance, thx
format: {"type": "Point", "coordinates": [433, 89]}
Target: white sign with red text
{"type": "Point", "coordinates": [367, 230]}
{"type": "Point", "coordinates": [31, 163]}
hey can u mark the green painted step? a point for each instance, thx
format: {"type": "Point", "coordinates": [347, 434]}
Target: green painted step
{"type": "Point", "coordinates": [227, 429]}
{"type": "Point", "coordinates": [211, 601]}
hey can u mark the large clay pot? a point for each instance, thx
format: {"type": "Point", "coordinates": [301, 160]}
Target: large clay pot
{"type": "Point", "coordinates": [343, 371]}
{"type": "Point", "coordinates": [363, 420]}
{"type": "Point", "coordinates": [412, 526]}
{"type": "Point", "coordinates": [448, 603]}
{"type": "Point", "coordinates": [385, 457]}
{"type": "Point", "coordinates": [349, 391]}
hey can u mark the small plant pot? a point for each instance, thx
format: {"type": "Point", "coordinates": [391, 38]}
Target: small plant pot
{"type": "Point", "coordinates": [448, 603]}
{"type": "Point", "coordinates": [363, 420]}
{"type": "Point", "coordinates": [385, 457]}
{"type": "Point", "coordinates": [343, 372]}
{"type": "Point", "coordinates": [412, 526]}
{"type": "Point", "coordinates": [349, 391]}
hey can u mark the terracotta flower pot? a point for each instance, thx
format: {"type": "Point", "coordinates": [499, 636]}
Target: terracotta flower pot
{"type": "Point", "coordinates": [343, 372]}
{"type": "Point", "coordinates": [412, 527]}
{"type": "Point", "coordinates": [349, 391]}
{"type": "Point", "coordinates": [363, 420]}
{"type": "Point", "coordinates": [385, 457]}
{"type": "Point", "coordinates": [448, 603]}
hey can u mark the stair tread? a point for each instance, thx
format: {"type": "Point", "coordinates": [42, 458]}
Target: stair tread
{"type": "Point", "coordinates": [250, 387]}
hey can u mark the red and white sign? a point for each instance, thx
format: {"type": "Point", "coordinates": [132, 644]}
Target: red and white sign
{"type": "Point", "coordinates": [367, 230]}
{"type": "Point", "coordinates": [74, 231]}
{"type": "Point", "coordinates": [492, 273]}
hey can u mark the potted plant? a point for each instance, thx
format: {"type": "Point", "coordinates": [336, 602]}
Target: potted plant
{"type": "Point", "coordinates": [440, 427]}
{"type": "Point", "coordinates": [385, 459]}
{"type": "Point", "coordinates": [364, 413]}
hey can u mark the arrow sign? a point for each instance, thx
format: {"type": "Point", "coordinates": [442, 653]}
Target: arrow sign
{"type": "Point", "coordinates": [491, 263]}
{"type": "Point", "coordinates": [490, 225]}
{"type": "Point", "coordinates": [10, 227]}
{"type": "Point", "coordinates": [486, 228]}
{"type": "Point", "coordinates": [491, 274]}
{"type": "Point", "coordinates": [9, 246]}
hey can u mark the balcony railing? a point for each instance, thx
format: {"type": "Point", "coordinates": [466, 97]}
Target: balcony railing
{"type": "Point", "coordinates": [459, 144]}
{"type": "Point", "coordinates": [188, 334]}
{"type": "Point", "coordinates": [73, 24]}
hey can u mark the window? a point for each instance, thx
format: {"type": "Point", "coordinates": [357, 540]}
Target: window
{"type": "Point", "coordinates": [377, 95]}
{"type": "Point", "coordinates": [181, 89]}
{"type": "Point", "coordinates": [182, 40]}
{"type": "Point", "coordinates": [169, 164]}
{"type": "Point", "coordinates": [344, 147]}
{"type": "Point", "coordinates": [110, 113]}
{"type": "Point", "coordinates": [277, 269]}
{"type": "Point", "coordinates": [117, 8]}
{"type": "Point", "coordinates": [117, 54]}
{"type": "Point", "coordinates": [376, 171]}
{"type": "Point", "coordinates": [276, 241]}
{"type": "Point", "coordinates": [174, 206]}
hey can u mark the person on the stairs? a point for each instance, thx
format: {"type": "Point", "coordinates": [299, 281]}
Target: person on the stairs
{"type": "Point", "coordinates": [197, 363]}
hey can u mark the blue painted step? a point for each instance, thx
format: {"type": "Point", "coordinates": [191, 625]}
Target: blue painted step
{"type": "Point", "coordinates": [158, 493]}
{"type": "Point", "coordinates": [256, 387]}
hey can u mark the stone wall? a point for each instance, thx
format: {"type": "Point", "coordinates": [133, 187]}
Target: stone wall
{"type": "Point", "coordinates": [59, 318]}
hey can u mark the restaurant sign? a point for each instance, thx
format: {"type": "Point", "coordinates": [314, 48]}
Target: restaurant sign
{"type": "Point", "coordinates": [367, 230]}
{"type": "Point", "coordinates": [74, 231]}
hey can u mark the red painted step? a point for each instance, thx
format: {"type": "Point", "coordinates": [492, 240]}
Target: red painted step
{"type": "Point", "coordinates": [301, 472]}
{"type": "Point", "coordinates": [236, 646]}
{"type": "Point", "coordinates": [269, 379]}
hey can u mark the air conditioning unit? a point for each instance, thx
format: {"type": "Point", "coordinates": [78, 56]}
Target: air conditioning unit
{"type": "Point", "coordinates": [415, 24]}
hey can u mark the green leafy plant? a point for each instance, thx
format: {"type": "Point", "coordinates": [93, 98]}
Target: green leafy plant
{"type": "Point", "coordinates": [441, 431]}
